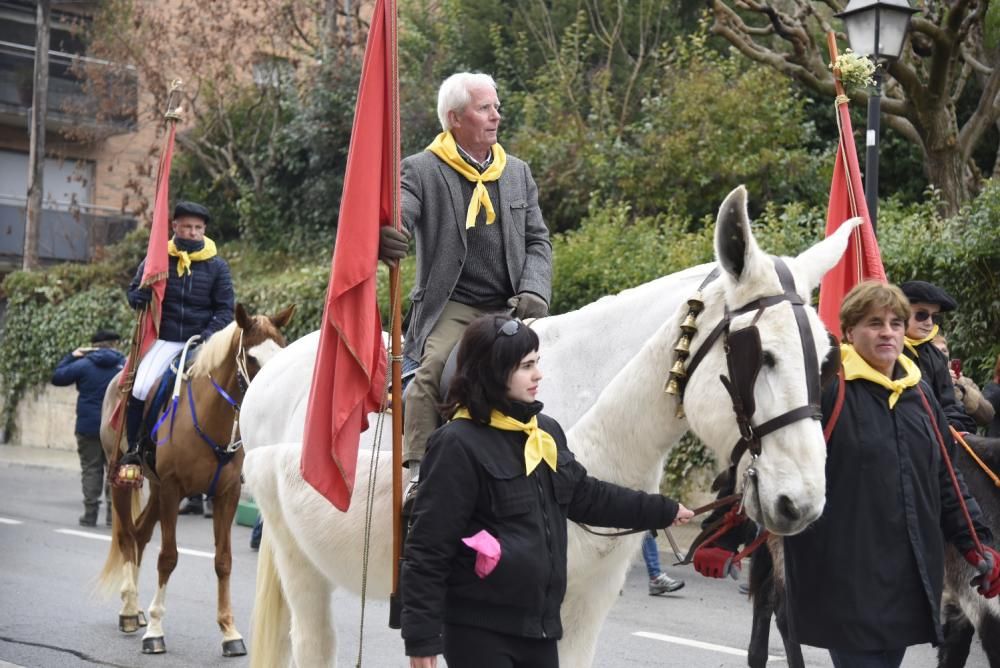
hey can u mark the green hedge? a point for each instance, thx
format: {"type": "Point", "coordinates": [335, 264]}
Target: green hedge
{"type": "Point", "coordinates": [51, 312]}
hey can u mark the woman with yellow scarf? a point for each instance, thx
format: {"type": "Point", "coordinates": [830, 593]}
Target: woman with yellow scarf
{"type": "Point", "coordinates": [927, 304]}
{"type": "Point", "coordinates": [484, 566]}
{"type": "Point", "coordinates": [865, 580]}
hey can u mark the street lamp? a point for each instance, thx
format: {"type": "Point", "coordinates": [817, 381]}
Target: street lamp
{"type": "Point", "coordinates": [877, 29]}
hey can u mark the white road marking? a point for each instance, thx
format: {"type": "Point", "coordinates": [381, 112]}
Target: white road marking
{"type": "Point", "coordinates": [107, 538]}
{"type": "Point", "coordinates": [699, 644]}
{"type": "Point", "coordinates": [4, 520]}
{"type": "Point", "coordinates": [84, 534]}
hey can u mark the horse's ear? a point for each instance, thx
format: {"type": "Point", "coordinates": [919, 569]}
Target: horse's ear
{"type": "Point", "coordinates": [243, 318]}
{"type": "Point", "coordinates": [734, 243]}
{"type": "Point", "coordinates": [814, 262]}
{"type": "Point", "coordinates": [282, 319]}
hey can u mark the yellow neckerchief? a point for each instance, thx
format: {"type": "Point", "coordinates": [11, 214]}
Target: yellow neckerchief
{"type": "Point", "coordinates": [913, 343]}
{"type": "Point", "coordinates": [445, 148]}
{"type": "Point", "coordinates": [540, 445]}
{"type": "Point", "coordinates": [184, 259]}
{"type": "Point", "coordinates": [856, 367]}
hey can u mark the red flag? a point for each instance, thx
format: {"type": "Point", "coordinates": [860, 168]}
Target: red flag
{"type": "Point", "coordinates": [349, 376]}
{"type": "Point", "coordinates": [862, 260]}
{"type": "Point", "coordinates": [154, 273]}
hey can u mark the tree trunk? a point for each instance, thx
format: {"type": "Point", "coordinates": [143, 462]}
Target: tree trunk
{"type": "Point", "coordinates": [943, 162]}
{"type": "Point", "coordinates": [36, 151]}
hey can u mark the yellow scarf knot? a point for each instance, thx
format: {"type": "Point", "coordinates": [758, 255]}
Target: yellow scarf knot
{"type": "Point", "coordinates": [540, 445]}
{"type": "Point", "coordinates": [856, 367]}
{"type": "Point", "coordinates": [184, 258]}
{"type": "Point", "coordinates": [913, 343]}
{"type": "Point", "coordinates": [444, 147]}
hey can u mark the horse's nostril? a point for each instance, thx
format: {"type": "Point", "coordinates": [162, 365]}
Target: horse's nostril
{"type": "Point", "coordinates": [788, 508]}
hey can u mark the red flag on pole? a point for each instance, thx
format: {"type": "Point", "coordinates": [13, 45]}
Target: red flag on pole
{"type": "Point", "coordinates": [154, 273]}
{"type": "Point", "coordinates": [862, 260]}
{"type": "Point", "coordinates": [349, 376]}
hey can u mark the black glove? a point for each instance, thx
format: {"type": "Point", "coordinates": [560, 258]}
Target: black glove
{"type": "Point", "coordinates": [528, 305]}
{"type": "Point", "coordinates": [142, 297]}
{"type": "Point", "coordinates": [393, 244]}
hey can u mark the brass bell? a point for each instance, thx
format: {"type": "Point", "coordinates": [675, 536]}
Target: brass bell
{"type": "Point", "coordinates": [683, 347]}
{"type": "Point", "coordinates": [673, 387]}
{"type": "Point", "coordinates": [678, 369]}
{"type": "Point", "coordinates": [697, 303]}
{"type": "Point", "coordinates": [679, 413]}
{"type": "Point", "coordinates": [690, 324]}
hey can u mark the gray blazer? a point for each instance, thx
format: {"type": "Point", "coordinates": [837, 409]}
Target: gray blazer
{"type": "Point", "coordinates": [434, 213]}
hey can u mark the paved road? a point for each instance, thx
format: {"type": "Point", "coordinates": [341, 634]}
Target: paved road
{"type": "Point", "coordinates": [49, 617]}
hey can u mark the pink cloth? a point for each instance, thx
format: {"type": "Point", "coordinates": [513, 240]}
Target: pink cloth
{"type": "Point", "coordinates": [487, 551]}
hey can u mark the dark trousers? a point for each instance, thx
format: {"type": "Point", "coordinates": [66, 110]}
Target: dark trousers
{"type": "Point", "coordinates": [890, 658]}
{"type": "Point", "coordinates": [92, 465]}
{"type": "Point", "coordinates": [471, 647]}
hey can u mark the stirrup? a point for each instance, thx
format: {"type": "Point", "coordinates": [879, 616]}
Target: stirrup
{"type": "Point", "coordinates": [129, 473]}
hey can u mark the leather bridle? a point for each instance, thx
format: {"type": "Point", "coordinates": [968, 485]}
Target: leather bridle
{"type": "Point", "coordinates": [744, 358]}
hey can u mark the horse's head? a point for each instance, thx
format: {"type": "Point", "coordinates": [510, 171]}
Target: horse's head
{"type": "Point", "coordinates": [261, 336]}
{"type": "Point", "coordinates": [753, 376]}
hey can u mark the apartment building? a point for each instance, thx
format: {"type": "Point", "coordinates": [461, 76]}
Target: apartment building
{"type": "Point", "coordinates": [89, 151]}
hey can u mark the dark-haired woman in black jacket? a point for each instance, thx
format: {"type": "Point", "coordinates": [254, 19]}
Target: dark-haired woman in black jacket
{"type": "Point", "coordinates": [484, 567]}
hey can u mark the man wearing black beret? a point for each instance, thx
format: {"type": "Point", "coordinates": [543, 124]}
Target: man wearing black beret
{"type": "Point", "coordinates": [198, 300]}
{"type": "Point", "coordinates": [927, 303]}
{"type": "Point", "coordinates": [91, 368]}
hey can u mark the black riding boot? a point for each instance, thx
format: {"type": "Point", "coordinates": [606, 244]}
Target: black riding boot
{"type": "Point", "coordinates": [133, 426]}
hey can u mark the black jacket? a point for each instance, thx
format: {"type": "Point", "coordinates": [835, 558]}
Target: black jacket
{"type": "Point", "coordinates": [868, 574]}
{"type": "Point", "coordinates": [934, 369]}
{"type": "Point", "coordinates": [991, 392]}
{"type": "Point", "coordinates": [473, 479]}
{"type": "Point", "coordinates": [200, 302]}
{"type": "Point", "coordinates": [91, 373]}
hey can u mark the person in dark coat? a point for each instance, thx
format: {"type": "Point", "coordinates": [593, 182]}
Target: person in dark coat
{"type": "Point", "coordinates": [865, 580]}
{"type": "Point", "coordinates": [91, 369]}
{"type": "Point", "coordinates": [991, 393]}
{"type": "Point", "coordinates": [198, 301]}
{"type": "Point", "coordinates": [927, 303]}
{"type": "Point", "coordinates": [484, 565]}
{"type": "Point", "coordinates": [481, 242]}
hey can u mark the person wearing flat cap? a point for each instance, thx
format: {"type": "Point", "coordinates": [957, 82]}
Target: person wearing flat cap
{"type": "Point", "coordinates": [927, 303]}
{"type": "Point", "coordinates": [198, 300]}
{"type": "Point", "coordinates": [91, 368]}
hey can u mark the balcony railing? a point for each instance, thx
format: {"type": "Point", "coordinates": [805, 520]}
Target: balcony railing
{"type": "Point", "coordinates": [70, 103]}
{"type": "Point", "coordinates": [65, 235]}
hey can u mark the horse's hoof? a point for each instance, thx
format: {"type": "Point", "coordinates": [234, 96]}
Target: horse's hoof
{"type": "Point", "coordinates": [142, 619]}
{"type": "Point", "coordinates": [128, 623]}
{"type": "Point", "coordinates": [234, 648]}
{"type": "Point", "coordinates": [153, 645]}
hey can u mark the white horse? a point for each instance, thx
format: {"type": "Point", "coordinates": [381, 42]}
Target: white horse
{"type": "Point", "coordinates": [310, 548]}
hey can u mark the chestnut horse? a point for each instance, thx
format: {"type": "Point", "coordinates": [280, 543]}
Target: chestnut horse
{"type": "Point", "coordinates": [197, 451]}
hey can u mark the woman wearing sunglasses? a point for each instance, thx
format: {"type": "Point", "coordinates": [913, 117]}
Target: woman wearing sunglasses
{"type": "Point", "coordinates": [484, 567]}
{"type": "Point", "coordinates": [927, 303]}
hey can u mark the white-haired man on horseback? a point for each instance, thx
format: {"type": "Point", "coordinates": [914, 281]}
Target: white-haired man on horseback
{"type": "Point", "coordinates": [198, 301]}
{"type": "Point", "coordinates": [481, 243]}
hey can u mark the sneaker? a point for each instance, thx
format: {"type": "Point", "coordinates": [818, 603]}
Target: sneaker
{"type": "Point", "coordinates": [191, 506]}
{"type": "Point", "coordinates": [664, 584]}
{"type": "Point", "coordinates": [208, 508]}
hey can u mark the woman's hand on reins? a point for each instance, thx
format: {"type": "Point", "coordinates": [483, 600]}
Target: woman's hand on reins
{"type": "Point", "coordinates": [684, 515]}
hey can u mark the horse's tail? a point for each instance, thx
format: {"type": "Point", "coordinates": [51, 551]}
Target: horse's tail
{"type": "Point", "coordinates": [271, 617]}
{"type": "Point", "coordinates": [122, 549]}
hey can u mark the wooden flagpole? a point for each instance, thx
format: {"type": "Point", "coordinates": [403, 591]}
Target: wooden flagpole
{"type": "Point", "coordinates": [395, 300]}
{"type": "Point", "coordinates": [172, 115]}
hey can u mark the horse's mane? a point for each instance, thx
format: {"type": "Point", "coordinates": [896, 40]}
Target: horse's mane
{"type": "Point", "coordinates": [213, 352]}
